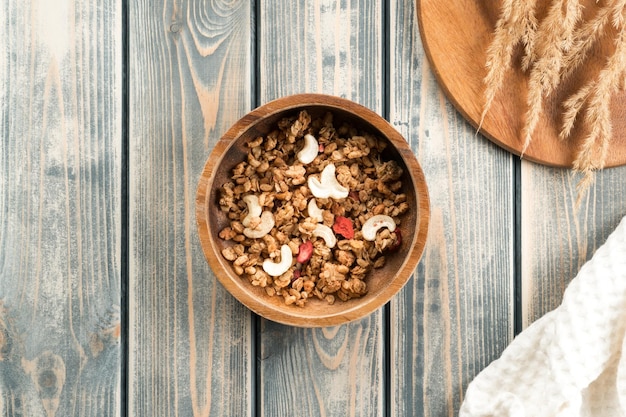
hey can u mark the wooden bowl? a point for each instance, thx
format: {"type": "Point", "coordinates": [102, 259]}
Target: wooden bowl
{"type": "Point", "coordinates": [383, 284]}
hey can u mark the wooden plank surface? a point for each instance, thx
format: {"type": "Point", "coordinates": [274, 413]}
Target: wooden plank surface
{"type": "Point", "coordinates": [332, 47]}
{"type": "Point", "coordinates": [190, 342]}
{"type": "Point", "coordinates": [456, 315]}
{"type": "Point", "coordinates": [558, 238]}
{"type": "Point", "coordinates": [60, 159]}
{"type": "Point", "coordinates": [193, 349]}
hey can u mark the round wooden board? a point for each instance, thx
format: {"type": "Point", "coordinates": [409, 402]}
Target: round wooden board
{"type": "Point", "coordinates": [456, 35]}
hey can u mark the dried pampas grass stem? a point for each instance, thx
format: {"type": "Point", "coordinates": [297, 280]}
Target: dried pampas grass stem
{"type": "Point", "coordinates": [517, 24]}
{"type": "Point", "coordinates": [598, 113]}
{"type": "Point", "coordinates": [553, 49]}
{"type": "Point", "coordinates": [552, 40]}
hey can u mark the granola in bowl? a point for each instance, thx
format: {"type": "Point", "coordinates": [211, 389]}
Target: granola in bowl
{"type": "Point", "coordinates": [313, 208]}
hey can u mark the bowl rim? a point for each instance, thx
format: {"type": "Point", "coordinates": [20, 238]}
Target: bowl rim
{"type": "Point", "coordinates": [297, 316]}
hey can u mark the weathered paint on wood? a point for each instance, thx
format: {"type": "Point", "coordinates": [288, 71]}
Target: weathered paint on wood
{"type": "Point", "coordinates": [190, 342]}
{"type": "Point", "coordinates": [192, 350]}
{"type": "Point", "coordinates": [558, 238]}
{"type": "Point", "coordinates": [60, 160]}
{"type": "Point", "coordinates": [456, 314]}
{"type": "Point", "coordinates": [330, 47]}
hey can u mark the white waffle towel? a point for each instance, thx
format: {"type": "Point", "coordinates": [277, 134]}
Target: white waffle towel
{"type": "Point", "coordinates": [572, 361]}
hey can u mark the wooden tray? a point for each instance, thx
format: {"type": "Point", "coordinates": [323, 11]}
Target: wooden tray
{"type": "Point", "coordinates": [456, 34]}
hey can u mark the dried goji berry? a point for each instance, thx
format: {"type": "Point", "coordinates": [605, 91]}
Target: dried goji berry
{"type": "Point", "coordinates": [343, 226]}
{"type": "Point", "coordinates": [305, 251]}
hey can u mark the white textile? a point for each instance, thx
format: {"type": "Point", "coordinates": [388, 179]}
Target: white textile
{"type": "Point", "coordinates": [569, 363]}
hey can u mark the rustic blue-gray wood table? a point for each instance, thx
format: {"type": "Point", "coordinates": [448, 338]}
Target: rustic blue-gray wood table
{"type": "Point", "coordinates": [108, 112]}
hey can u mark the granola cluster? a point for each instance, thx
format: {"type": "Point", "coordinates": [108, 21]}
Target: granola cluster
{"type": "Point", "coordinates": [313, 209]}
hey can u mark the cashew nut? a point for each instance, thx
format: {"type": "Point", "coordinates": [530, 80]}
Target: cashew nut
{"type": "Point", "coordinates": [317, 189]}
{"type": "Point", "coordinates": [276, 269]}
{"type": "Point", "coordinates": [308, 153]}
{"type": "Point", "coordinates": [267, 222]}
{"type": "Point", "coordinates": [254, 208]}
{"type": "Point", "coordinates": [374, 223]}
{"type": "Point", "coordinates": [315, 212]}
{"type": "Point", "coordinates": [325, 233]}
{"type": "Point", "coordinates": [327, 185]}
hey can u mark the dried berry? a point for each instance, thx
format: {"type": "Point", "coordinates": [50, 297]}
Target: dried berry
{"type": "Point", "coordinates": [296, 274]}
{"type": "Point", "coordinates": [305, 251]}
{"type": "Point", "coordinates": [398, 242]}
{"type": "Point", "coordinates": [343, 226]}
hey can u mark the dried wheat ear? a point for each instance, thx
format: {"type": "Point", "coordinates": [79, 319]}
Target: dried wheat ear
{"type": "Point", "coordinates": [553, 49]}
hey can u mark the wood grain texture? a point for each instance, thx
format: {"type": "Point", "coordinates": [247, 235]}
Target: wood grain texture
{"type": "Point", "coordinates": [190, 342]}
{"type": "Point", "coordinates": [60, 159]}
{"type": "Point", "coordinates": [330, 47]}
{"type": "Point", "coordinates": [557, 238]}
{"type": "Point", "coordinates": [332, 371]}
{"type": "Point", "coordinates": [456, 315]}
